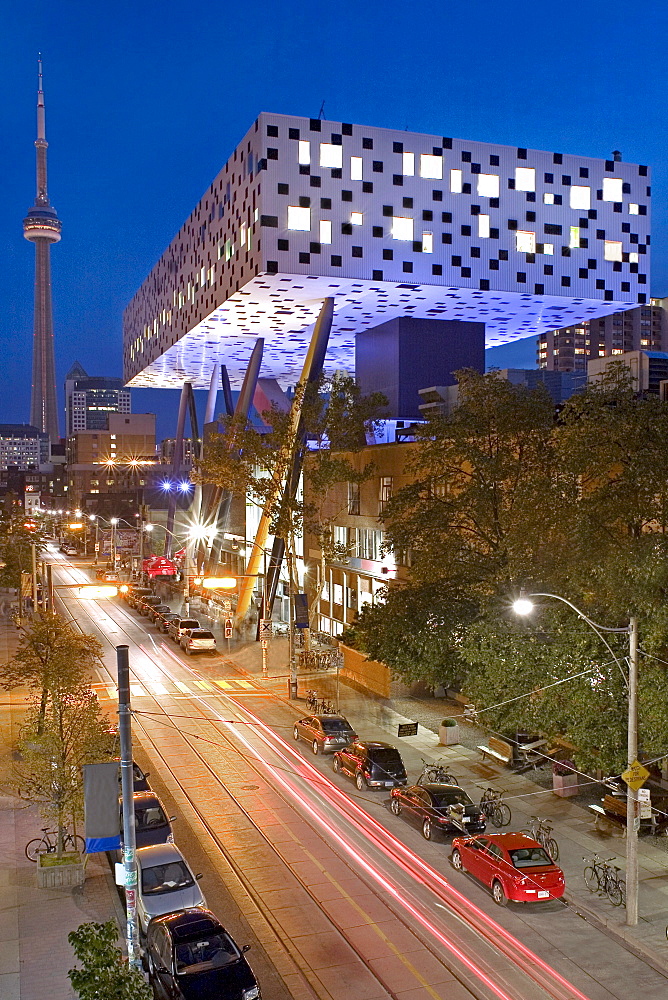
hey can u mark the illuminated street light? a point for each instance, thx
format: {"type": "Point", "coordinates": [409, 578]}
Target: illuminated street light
{"type": "Point", "coordinates": [523, 606]}
{"type": "Point", "coordinates": [93, 593]}
{"type": "Point", "coordinates": [219, 583]}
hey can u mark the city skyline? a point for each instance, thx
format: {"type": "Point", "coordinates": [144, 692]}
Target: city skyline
{"type": "Point", "coordinates": [125, 192]}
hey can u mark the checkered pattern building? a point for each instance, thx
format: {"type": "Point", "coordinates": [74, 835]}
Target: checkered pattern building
{"type": "Point", "coordinates": [391, 224]}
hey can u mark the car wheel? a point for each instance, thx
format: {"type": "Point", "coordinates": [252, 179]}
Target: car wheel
{"type": "Point", "coordinates": [315, 748]}
{"type": "Point", "coordinates": [396, 806]}
{"type": "Point", "coordinates": [498, 893]}
{"type": "Point", "coordinates": [187, 650]}
{"type": "Point", "coordinates": [360, 781]}
{"type": "Point", "coordinates": [456, 860]}
{"type": "Point", "coordinates": [336, 764]}
{"type": "Point", "coordinates": [427, 831]}
{"type": "Point", "coordinates": [295, 733]}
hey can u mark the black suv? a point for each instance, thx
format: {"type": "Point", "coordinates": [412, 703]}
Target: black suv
{"type": "Point", "coordinates": [372, 765]}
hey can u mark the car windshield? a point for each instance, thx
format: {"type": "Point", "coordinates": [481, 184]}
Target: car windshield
{"type": "Point", "coordinates": [201, 633]}
{"type": "Point", "coordinates": [530, 857]}
{"type": "Point", "coordinates": [336, 725]}
{"type": "Point", "coordinates": [212, 952]}
{"type": "Point", "coordinates": [165, 878]}
{"type": "Point", "coordinates": [455, 796]}
{"type": "Point", "coordinates": [188, 623]}
{"type": "Point", "coordinates": [149, 817]}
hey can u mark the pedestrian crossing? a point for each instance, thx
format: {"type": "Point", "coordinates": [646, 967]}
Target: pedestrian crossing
{"type": "Point", "coordinates": [150, 688]}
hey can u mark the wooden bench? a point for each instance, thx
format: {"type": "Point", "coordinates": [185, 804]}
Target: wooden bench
{"type": "Point", "coordinates": [613, 809]}
{"type": "Point", "coordinates": [499, 750]}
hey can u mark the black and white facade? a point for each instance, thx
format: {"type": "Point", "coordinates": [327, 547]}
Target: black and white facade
{"type": "Point", "coordinates": [391, 224]}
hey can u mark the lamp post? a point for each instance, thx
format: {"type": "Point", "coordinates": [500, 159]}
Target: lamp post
{"type": "Point", "coordinates": [524, 606]}
{"type": "Point", "coordinates": [113, 521]}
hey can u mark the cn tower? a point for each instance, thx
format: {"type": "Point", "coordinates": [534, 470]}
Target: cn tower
{"type": "Point", "coordinates": [42, 227]}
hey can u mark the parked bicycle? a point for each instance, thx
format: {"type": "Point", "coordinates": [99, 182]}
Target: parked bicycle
{"type": "Point", "coordinates": [602, 877]}
{"type": "Point", "coordinates": [48, 844]}
{"type": "Point", "coordinates": [541, 830]}
{"type": "Point", "coordinates": [327, 707]}
{"type": "Point", "coordinates": [312, 700]}
{"type": "Point", "coordinates": [493, 806]}
{"type": "Point", "coordinates": [435, 772]}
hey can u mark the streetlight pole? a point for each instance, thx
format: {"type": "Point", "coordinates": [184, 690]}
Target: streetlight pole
{"type": "Point", "coordinates": [523, 606]}
{"type": "Point", "coordinates": [127, 803]}
{"type": "Point", "coordinates": [114, 522]}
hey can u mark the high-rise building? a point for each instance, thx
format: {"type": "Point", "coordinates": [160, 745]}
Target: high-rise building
{"type": "Point", "coordinates": [89, 399]}
{"type": "Point", "coordinates": [42, 227]}
{"type": "Point", "coordinates": [23, 446]}
{"type": "Point", "coordinates": [111, 460]}
{"type": "Point", "coordinates": [648, 369]}
{"type": "Point", "coordinates": [569, 349]}
{"type": "Point", "coordinates": [505, 241]}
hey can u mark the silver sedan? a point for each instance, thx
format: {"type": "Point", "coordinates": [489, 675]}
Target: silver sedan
{"type": "Point", "coordinates": [165, 883]}
{"type": "Point", "coordinates": [325, 733]}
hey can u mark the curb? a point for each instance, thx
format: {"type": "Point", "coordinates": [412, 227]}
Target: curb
{"type": "Point", "coordinates": [623, 936]}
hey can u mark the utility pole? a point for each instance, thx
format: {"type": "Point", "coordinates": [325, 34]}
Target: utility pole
{"type": "Point", "coordinates": [632, 817]}
{"type": "Point", "coordinates": [33, 551]}
{"type": "Point", "coordinates": [127, 796]}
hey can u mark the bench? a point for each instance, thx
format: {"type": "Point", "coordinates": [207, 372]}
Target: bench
{"type": "Point", "coordinates": [499, 750]}
{"type": "Point", "coordinates": [613, 809]}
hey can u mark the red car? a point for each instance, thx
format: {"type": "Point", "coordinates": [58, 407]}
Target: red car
{"type": "Point", "coordinates": [515, 867]}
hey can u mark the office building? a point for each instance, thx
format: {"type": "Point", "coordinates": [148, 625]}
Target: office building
{"type": "Point", "coordinates": [649, 370]}
{"type": "Point", "coordinates": [571, 348]}
{"type": "Point", "coordinates": [23, 446]}
{"type": "Point", "coordinates": [113, 459]}
{"type": "Point", "coordinates": [89, 399]}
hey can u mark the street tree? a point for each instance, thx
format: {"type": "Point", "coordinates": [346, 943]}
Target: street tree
{"type": "Point", "coordinates": [18, 533]}
{"type": "Point", "coordinates": [104, 974]}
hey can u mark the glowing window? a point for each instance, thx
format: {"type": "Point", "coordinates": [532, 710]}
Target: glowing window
{"type": "Point", "coordinates": [526, 242]}
{"type": "Point", "coordinates": [356, 218]}
{"type": "Point", "coordinates": [427, 243]}
{"type": "Point", "coordinates": [634, 209]}
{"type": "Point", "coordinates": [331, 156]}
{"type": "Point", "coordinates": [525, 179]}
{"type": "Point", "coordinates": [483, 226]}
{"type": "Point", "coordinates": [548, 198]}
{"type": "Point", "coordinates": [612, 250]}
{"type": "Point", "coordinates": [299, 218]}
{"type": "Point", "coordinates": [431, 166]}
{"type": "Point", "coordinates": [304, 152]}
{"type": "Point", "coordinates": [408, 164]}
{"type": "Point", "coordinates": [488, 185]}
{"type": "Point", "coordinates": [612, 189]}
{"type": "Point", "coordinates": [633, 258]}
{"type": "Point", "coordinates": [402, 229]}
{"type": "Point", "coordinates": [325, 231]}
{"type": "Point", "coordinates": [580, 196]}
{"type": "Point", "coordinates": [356, 168]}
{"type": "Point", "coordinates": [574, 241]}
{"type": "Point", "coordinates": [456, 181]}
{"type": "Point", "coordinates": [548, 248]}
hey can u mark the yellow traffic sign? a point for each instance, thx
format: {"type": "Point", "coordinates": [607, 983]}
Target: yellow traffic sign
{"type": "Point", "coordinates": [635, 775]}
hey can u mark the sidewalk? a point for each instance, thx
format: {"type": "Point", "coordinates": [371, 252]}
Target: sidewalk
{"type": "Point", "coordinates": [573, 822]}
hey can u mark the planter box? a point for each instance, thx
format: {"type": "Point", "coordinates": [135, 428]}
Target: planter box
{"type": "Point", "coordinates": [448, 735]}
{"type": "Point", "coordinates": [60, 876]}
{"type": "Point", "coordinates": [565, 785]}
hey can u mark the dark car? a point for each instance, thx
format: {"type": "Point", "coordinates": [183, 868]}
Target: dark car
{"type": "Point", "coordinates": [152, 826]}
{"type": "Point", "coordinates": [371, 764]}
{"type": "Point", "coordinates": [156, 610]}
{"type": "Point", "coordinates": [190, 956]}
{"type": "Point", "coordinates": [140, 778]}
{"type": "Point", "coordinates": [138, 594]}
{"type": "Point", "coordinates": [146, 603]}
{"type": "Point", "coordinates": [163, 619]}
{"type": "Point", "coordinates": [325, 733]}
{"type": "Point", "coordinates": [436, 807]}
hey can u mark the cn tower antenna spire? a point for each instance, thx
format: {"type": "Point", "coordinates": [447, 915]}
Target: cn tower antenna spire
{"type": "Point", "coordinates": [42, 227]}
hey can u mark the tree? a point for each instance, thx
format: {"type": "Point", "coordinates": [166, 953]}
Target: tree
{"type": "Point", "coordinates": [54, 748]}
{"type": "Point", "coordinates": [105, 975]}
{"type": "Point", "coordinates": [18, 533]}
{"type": "Point", "coordinates": [52, 657]}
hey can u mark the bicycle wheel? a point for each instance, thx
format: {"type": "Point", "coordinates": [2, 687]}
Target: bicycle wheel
{"type": "Point", "coordinates": [613, 890]}
{"type": "Point", "coordinates": [504, 814]}
{"type": "Point", "coordinates": [36, 847]}
{"type": "Point", "coordinates": [552, 848]}
{"type": "Point", "coordinates": [621, 882]}
{"type": "Point", "coordinates": [591, 878]}
{"type": "Point", "coordinates": [73, 843]}
{"type": "Point", "coordinates": [494, 814]}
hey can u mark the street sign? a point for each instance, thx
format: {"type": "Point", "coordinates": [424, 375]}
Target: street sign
{"type": "Point", "coordinates": [97, 546]}
{"type": "Point", "coordinates": [227, 605]}
{"type": "Point", "coordinates": [635, 775]}
{"type": "Point", "coordinates": [301, 610]}
{"type": "Point", "coordinates": [266, 628]}
{"type": "Point", "coordinates": [407, 729]}
{"type": "Point", "coordinates": [228, 628]}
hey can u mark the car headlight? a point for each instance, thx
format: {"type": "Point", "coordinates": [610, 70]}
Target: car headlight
{"type": "Point", "coordinates": [251, 994]}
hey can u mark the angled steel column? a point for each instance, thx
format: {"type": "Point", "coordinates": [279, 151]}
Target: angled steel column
{"type": "Point", "coordinates": [176, 466]}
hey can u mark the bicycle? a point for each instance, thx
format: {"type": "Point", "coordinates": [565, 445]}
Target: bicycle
{"type": "Point", "coordinates": [600, 876]}
{"type": "Point", "coordinates": [312, 700]}
{"type": "Point", "coordinates": [48, 844]}
{"type": "Point", "coordinates": [435, 773]}
{"type": "Point", "coordinates": [493, 806]}
{"type": "Point", "coordinates": [540, 830]}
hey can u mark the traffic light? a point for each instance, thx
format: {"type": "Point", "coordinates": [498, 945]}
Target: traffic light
{"type": "Point", "coordinates": [228, 628]}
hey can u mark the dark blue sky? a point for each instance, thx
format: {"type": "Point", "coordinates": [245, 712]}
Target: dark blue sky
{"type": "Point", "coordinates": [146, 100]}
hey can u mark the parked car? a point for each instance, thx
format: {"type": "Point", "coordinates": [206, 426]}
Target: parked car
{"type": "Point", "coordinates": [164, 618]}
{"type": "Point", "coordinates": [325, 733]}
{"type": "Point", "coordinates": [146, 603]}
{"type": "Point", "coordinates": [197, 640]}
{"type": "Point", "coordinates": [514, 866]}
{"type": "Point", "coordinates": [152, 826]}
{"type": "Point", "coordinates": [164, 883]}
{"type": "Point", "coordinates": [155, 610]}
{"type": "Point", "coordinates": [438, 808]}
{"type": "Point", "coordinates": [140, 778]}
{"type": "Point", "coordinates": [137, 594]}
{"type": "Point", "coordinates": [189, 954]}
{"type": "Point", "coordinates": [371, 764]}
{"type": "Point", "coordinates": [69, 550]}
{"type": "Point", "coordinates": [177, 627]}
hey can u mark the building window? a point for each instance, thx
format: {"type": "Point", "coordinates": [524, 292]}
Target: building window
{"type": "Point", "coordinates": [525, 242]}
{"type": "Point", "coordinates": [384, 492]}
{"type": "Point", "coordinates": [456, 181]}
{"type": "Point", "coordinates": [548, 198]}
{"type": "Point", "coordinates": [402, 228]}
{"type": "Point", "coordinates": [548, 248]}
{"type": "Point", "coordinates": [299, 218]}
{"type": "Point", "coordinates": [431, 166]}
{"type": "Point", "coordinates": [353, 498]}
{"type": "Point", "coordinates": [356, 218]}
{"type": "Point", "coordinates": [331, 156]}
{"type": "Point", "coordinates": [612, 189]}
{"type": "Point", "coordinates": [612, 250]}
{"type": "Point", "coordinates": [633, 209]}
{"type": "Point", "coordinates": [488, 185]}
{"type": "Point", "coordinates": [483, 226]}
{"type": "Point", "coordinates": [574, 241]}
{"type": "Point", "coordinates": [325, 231]}
{"type": "Point", "coordinates": [427, 243]}
{"type": "Point", "coordinates": [408, 164]}
{"type": "Point", "coordinates": [525, 179]}
{"type": "Point", "coordinates": [580, 196]}
{"type": "Point", "coordinates": [356, 168]}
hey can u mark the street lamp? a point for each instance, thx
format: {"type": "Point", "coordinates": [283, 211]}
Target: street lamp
{"type": "Point", "coordinates": [113, 522]}
{"type": "Point", "coordinates": [524, 606]}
